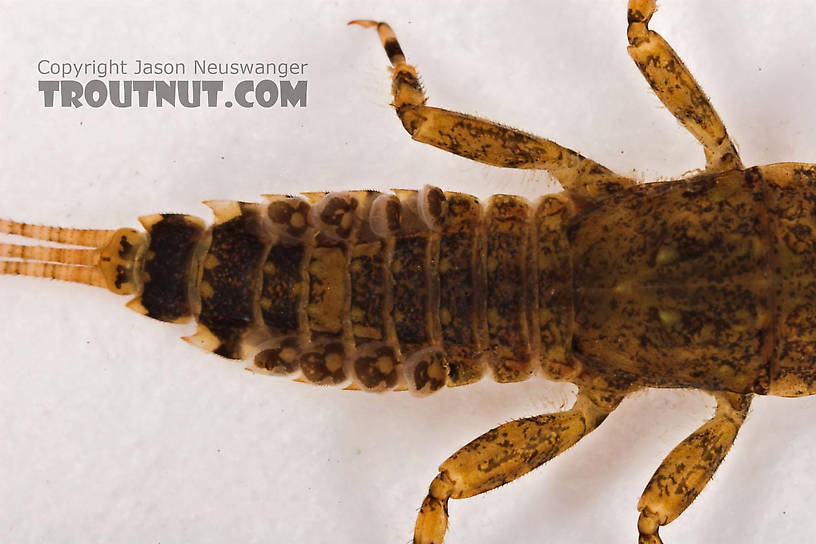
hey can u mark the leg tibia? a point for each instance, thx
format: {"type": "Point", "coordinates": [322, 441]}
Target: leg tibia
{"type": "Point", "coordinates": [486, 141]}
{"type": "Point", "coordinates": [689, 467]}
{"type": "Point", "coordinates": [502, 455]}
{"type": "Point", "coordinates": [677, 89]}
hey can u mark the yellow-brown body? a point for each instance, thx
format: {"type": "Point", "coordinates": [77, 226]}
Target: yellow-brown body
{"type": "Point", "coordinates": [614, 286]}
{"type": "Point", "coordinates": [700, 282]}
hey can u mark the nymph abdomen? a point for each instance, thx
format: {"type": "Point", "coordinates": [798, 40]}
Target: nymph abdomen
{"type": "Point", "coordinates": [418, 289]}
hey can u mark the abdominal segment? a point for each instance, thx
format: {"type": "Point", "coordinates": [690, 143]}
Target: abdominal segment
{"type": "Point", "coordinates": [413, 290]}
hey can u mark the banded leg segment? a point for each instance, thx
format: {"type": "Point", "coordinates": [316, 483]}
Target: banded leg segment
{"type": "Point", "coordinates": [689, 467]}
{"type": "Point", "coordinates": [505, 453]}
{"type": "Point", "coordinates": [485, 141]}
{"type": "Point", "coordinates": [677, 89]}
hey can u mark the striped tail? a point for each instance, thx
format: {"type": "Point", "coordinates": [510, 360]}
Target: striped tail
{"type": "Point", "coordinates": [101, 258]}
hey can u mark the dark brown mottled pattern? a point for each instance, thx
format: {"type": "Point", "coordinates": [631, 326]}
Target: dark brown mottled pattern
{"type": "Point", "coordinates": [554, 283]}
{"type": "Point", "coordinates": [791, 197]}
{"type": "Point", "coordinates": [671, 285]}
{"type": "Point", "coordinates": [507, 227]}
{"type": "Point", "coordinates": [283, 288]}
{"type": "Point", "coordinates": [368, 290]}
{"type": "Point", "coordinates": [461, 287]}
{"type": "Point", "coordinates": [231, 271]}
{"type": "Point", "coordinates": [168, 267]}
{"type": "Point", "coordinates": [410, 290]}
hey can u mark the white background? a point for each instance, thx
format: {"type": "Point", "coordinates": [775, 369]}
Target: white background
{"type": "Point", "coordinates": [113, 430]}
